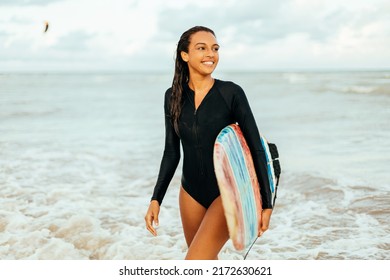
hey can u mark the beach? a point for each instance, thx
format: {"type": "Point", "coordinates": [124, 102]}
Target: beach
{"type": "Point", "coordinates": [80, 154]}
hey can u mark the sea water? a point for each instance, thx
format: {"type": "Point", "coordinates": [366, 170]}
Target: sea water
{"type": "Point", "coordinates": [80, 153]}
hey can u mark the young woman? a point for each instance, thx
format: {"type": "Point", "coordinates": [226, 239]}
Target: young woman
{"type": "Point", "coordinates": [197, 107]}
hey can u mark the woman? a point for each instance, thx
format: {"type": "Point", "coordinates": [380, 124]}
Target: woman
{"type": "Point", "coordinates": [197, 107]}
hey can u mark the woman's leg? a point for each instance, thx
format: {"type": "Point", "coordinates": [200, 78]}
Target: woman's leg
{"type": "Point", "coordinates": [192, 213]}
{"type": "Point", "coordinates": [211, 235]}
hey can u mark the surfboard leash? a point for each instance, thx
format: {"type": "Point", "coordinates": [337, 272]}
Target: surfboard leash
{"type": "Point", "coordinates": [250, 248]}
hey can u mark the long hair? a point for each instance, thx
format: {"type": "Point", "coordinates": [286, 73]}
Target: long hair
{"type": "Point", "coordinates": [181, 75]}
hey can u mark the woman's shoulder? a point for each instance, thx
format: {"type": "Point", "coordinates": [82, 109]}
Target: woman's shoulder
{"type": "Point", "coordinates": [168, 91]}
{"type": "Point", "coordinates": [228, 87]}
{"type": "Point", "coordinates": [167, 98]}
{"type": "Point", "coordinates": [168, 94]}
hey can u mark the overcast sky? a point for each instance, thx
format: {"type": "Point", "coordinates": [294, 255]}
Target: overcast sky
{"type": "Point", "coordinates": [94, 35]}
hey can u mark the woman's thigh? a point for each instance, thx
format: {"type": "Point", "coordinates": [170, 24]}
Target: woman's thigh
{"type": "Point", "coordinates": [211, 235]}
{"type": "Point", "coordinates": [192, 213]}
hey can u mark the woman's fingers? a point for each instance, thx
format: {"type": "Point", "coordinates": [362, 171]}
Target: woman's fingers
{"type": "Point", "coordinates": [149, 225]}
{"type": "Point", "coordinates": [155, 220]}
{"type": "Point", "coordinates": [265, 218]}
{"type": "Point", "coordinates": [152, 217]}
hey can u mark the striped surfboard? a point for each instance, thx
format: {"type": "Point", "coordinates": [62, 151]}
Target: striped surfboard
{"type": "Point", "coordinates": [239, 187]}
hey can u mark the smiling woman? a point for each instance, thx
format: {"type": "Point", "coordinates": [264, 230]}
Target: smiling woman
{"type": "Point", "coordinates": [197, 107]}
{"type": "Point", "coordinates": [204, 54]}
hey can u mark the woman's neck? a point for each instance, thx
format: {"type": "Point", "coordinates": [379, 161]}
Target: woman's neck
{"type": "Point", "coordinates": [200, 83]}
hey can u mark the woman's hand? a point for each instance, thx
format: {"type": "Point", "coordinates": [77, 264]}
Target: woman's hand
{"type": "Point", "coordinates": [265, 218]}
{"type": "Point", "coordinates": [152, 216]}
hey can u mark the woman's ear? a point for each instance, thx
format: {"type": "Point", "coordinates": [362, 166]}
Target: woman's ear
{"type": "Point", "coordinates": [184, 56]}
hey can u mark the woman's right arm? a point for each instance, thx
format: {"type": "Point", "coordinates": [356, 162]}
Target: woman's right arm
{"type": "Point", "coordinates": [171, 156]}
{"type": "Point", "coordinates": [169, 162]}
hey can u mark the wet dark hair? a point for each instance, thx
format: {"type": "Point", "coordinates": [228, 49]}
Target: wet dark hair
{"type": "Point", "coordinates": [181, 75]}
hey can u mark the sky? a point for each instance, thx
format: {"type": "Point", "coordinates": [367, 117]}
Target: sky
{"type": "Point", "coordinates": [135, 35]}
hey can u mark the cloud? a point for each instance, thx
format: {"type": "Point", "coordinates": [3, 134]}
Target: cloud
{"type": "Point", "coordinates": [124, 34]}
{"type": "Point", "coordinates": [294, 34]}
{"type": "Point", "coordinates": [27, 2]}
{"type": "Point", "coordinates": [262, 21]}
{"type": "Point", "coordinates": [221, 16]}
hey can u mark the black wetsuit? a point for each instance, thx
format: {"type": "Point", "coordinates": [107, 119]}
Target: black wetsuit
{"type": "Point", "coordinates": [224, 104]}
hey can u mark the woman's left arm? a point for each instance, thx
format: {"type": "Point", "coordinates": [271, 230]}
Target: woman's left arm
{"type": "Point", "coordinates": [243, 115]}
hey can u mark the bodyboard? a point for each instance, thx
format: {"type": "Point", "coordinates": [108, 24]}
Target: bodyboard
{"type": "Point", "coordinates": [238, 185]}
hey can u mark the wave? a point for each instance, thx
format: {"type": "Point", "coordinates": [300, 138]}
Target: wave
{"type": "Point", "coordinates": [28, 114]}
{"type": "Point", "coordinates": [360, 89]}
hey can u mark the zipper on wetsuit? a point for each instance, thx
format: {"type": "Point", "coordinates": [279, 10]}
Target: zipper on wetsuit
{"type": "Point", "coordinates": [198, 147]}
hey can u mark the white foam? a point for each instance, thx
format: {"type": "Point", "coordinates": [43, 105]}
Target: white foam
{"type": "Point", "coordinates": [76, 184]}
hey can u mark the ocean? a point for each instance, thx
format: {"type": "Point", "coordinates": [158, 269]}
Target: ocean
{"type": "Point", "coordinates": [80, 153]}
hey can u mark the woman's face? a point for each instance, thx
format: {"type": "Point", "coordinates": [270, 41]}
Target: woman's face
{"type": "Point", "coordinates": [202, 57]}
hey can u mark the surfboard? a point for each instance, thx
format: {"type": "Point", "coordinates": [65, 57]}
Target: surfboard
{"type": "Point", "coordinates": [238, 184]}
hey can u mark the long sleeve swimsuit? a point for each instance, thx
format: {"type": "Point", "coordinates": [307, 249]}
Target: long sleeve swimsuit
{"type": "Point", "coordinates": [224, 104]}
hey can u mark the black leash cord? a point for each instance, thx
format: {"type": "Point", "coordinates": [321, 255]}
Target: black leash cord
{"type": "Point", "coordinates": [250, 248]}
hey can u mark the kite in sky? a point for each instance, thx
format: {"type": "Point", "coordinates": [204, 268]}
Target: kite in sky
{"type": "Point", "coordinates": [46, 26]}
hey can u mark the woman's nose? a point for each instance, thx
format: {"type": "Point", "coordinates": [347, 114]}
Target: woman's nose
{"type": "Point", "coordinates": [210, 53]}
